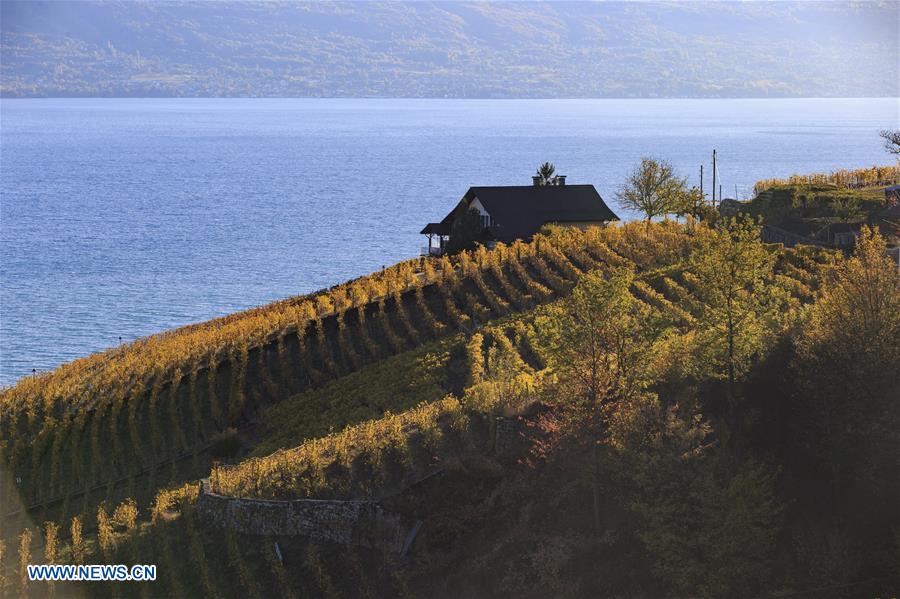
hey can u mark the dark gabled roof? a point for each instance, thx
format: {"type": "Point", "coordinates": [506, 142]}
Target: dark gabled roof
{"type": "Point", "coordinates": [440, 228]}
{"type": "Point", "coordinates": [520, 211]}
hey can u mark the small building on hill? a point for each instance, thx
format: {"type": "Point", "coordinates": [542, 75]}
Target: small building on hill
{"type": "Point", "coordinates": [514, 212]}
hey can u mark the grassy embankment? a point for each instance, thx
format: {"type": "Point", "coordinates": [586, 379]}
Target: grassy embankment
{"type": "Point", "coordinates": [809, 204]}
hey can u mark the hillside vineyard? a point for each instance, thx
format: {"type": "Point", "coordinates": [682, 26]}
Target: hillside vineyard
{"type": "Point", "coordinates": [348, 393]}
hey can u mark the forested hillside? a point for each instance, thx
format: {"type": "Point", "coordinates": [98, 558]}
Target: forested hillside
{"type": "Point", "coordinates": [449, 49]}
{"type": "Point", "coordinates": [694, 413]}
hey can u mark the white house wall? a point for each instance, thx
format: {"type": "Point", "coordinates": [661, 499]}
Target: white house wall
{"type": "Point", "coordinates": [476, 204]}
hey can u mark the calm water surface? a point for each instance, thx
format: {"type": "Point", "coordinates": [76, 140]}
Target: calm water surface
{"type": "Point", "coordinates": [120, 218]}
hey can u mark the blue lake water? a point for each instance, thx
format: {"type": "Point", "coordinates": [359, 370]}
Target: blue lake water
{"type": "Point", "coordinates": [120, 218]}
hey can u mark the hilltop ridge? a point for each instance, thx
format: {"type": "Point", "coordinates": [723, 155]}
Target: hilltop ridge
{"type": "Point", "coordinates": [455, 49]}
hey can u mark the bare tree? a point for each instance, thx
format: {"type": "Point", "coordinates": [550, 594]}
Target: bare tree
{"type": "Point", "coordinates": [653, 189]}
{"type": "Point", "coordinates": [891, 140]}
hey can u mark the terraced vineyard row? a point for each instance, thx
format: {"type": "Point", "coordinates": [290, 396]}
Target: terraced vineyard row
{"type": "Point", "coordinates": [194, 561]}
{"type": "Point", "coordinates": [862, 177]}
{"type": "Point", "coordinates": [397, 418]}
{"type": "Point", "coordinates": [60, 440]}
{"type": "Point", "coordinates": [386, 452]}
{"type": "Point", "coordinates": [504, 372]}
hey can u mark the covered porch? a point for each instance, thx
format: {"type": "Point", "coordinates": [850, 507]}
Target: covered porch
{"type": "Point", "coordinates": [437, 234]}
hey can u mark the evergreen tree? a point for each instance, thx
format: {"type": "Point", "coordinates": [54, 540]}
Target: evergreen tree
{"type": "Point", "coordinates": [545, 173]}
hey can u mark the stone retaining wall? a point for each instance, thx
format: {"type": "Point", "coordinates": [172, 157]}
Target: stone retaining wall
{"type": "Point", "coordinates": [770, 234]}
{"type": "Point", "coordinates": [354, 522]}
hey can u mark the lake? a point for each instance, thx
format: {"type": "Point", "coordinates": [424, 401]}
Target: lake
{"type": "Point", "coordinates": [124, 217]}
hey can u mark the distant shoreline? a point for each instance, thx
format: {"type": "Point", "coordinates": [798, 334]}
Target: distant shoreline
{"type": "Point", "coordinates": [469, 98]}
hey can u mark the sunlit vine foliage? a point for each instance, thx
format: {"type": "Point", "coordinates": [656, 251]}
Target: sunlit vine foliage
{"type": "Point", "coordinates": [57, 427]}
{"type": "Point", "coordinates": [848, 178]}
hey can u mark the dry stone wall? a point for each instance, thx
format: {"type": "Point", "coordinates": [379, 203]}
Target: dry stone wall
{"type": "Point", "coordinates": [354, 522]}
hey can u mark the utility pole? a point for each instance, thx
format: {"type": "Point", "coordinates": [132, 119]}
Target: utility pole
{"type": "Point", "coordinates": [735, 191]}
{"type": "Point", "coordinates": [720, 193]}
{"type": "Point", "coordinates": [714, 179]}
{"type": "Point", "coordinates": [702, 197]}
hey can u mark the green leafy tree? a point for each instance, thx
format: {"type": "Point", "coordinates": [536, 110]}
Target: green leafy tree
{"type": "Point", "coordinates": [691, 202]}
{"type": "Point", "coordinates": [846, 417]}
{"type": "Point", "coordinates": [740, 303]}
{"type": "Point", "coordinates": [596, 336]}
{"type": "Point", "coordinates": [464, 231]}
{"type": "Point", "coordinates": [653, 189]}
{"type": "Point", "coordinates": [545, 173]}
{"type": "Point", "coordinates": [848, 356]}
{"type": "Point", "coordinates": [704, 533]}
{"type": "Point", "coordinates": [596, 339]}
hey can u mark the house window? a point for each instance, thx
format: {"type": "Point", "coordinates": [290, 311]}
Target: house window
{"type": "Point", "coordinates": [485, 221]}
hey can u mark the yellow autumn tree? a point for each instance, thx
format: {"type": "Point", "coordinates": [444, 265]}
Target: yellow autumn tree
{"type": "Point", "coordinates": [740, 302]}
{"type": "Point", "coordinates": [848, 358]}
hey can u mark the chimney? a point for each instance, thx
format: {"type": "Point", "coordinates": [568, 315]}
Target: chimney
{"type": "Point", "coordinates": [536, 180]}
{"type": "Point", "coordinates": [560, 180]}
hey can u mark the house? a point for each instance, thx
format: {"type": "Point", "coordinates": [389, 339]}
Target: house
{"type": "Point", "coordinates": [892, 195]}
{"type": "Point", "coordinates": [516, 212]}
